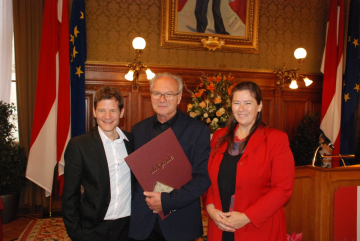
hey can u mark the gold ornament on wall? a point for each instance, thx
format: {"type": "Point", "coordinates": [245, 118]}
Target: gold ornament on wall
{"type": "Point", "coordinates": [212, 43]}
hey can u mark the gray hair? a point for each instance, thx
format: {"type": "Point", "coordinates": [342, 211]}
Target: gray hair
{"type": "Point", "coordinates": [175, 77]}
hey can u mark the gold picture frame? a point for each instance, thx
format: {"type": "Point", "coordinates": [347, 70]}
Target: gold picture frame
{"type": "Point", "coordinates": [180, 25]}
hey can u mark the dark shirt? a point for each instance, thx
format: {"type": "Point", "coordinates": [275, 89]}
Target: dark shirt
{"type": "Point", "coordinates": [159, 127]}
{"type": "Point", "coordinates": [227, 183]}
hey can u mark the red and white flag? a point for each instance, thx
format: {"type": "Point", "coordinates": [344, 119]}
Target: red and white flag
{"type": "Point", "coordinates": [332, 67]}
{"type": "Point", "coordinates": [51, 123]}
{"type": "Point", "coordinates": [347, 213]}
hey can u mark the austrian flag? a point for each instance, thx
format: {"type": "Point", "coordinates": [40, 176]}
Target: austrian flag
{"type": "Point", "coordinates": [51, 123]}
{"type": "Point", "coordinates": [332, 68]}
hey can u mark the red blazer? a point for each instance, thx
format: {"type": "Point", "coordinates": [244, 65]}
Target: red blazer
{"type": "Point", "coordinates": [264, 183]}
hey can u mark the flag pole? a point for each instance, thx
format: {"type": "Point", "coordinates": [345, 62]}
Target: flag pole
{"type": "Point", "coordinates": [50, 201]}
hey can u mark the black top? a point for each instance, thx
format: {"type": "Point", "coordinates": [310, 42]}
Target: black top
{"type": "Point", "coordinates": [159, 127]}
{"type": "Point", "coordinates": [227, 182]}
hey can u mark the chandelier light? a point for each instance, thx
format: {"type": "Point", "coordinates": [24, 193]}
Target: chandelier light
{"type": "Point", "coordinates": [293, 84]}
{"type": "Point", "coordinates": [136, 67]}
{"type": "Point", "coordinates": [291, 76]}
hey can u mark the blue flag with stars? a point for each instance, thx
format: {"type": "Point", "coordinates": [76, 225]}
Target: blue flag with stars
{"type": "Point", "coordinates": [77, 67]}
{"type": "Point", "coordinates": [351, 86]}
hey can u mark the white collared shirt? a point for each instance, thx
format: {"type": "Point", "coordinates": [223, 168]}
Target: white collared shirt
{"type": "Point", "coordinates": [120, 177]}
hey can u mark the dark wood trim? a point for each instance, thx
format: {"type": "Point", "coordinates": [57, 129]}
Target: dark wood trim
{"type": "Point", "coordinates": [284, 109]}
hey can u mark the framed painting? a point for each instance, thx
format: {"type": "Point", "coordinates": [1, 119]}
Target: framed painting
{"type": "Point", "coordinates": [187, 24]}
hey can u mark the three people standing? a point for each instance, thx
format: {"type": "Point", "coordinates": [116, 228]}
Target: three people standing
{"type": "Point", "coordinates": [250, 166]}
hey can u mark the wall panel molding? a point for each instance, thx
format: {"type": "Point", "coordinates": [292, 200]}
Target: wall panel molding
{"type": "Point", "coordinates": [282, 109]}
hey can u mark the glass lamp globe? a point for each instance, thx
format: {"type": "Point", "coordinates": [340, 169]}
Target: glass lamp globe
{"type": "Point", "coordinates": [307, 81]}
{"type": "Point", "coordinates": [293, 84]}
{"type": "Point", "coordinates": [149, 74]}
{"type": "Point", "coordinates": [300, 53]}
{"type": "Point", "coordinates": [139, 43]}
{"type": "Point", "coordinates": [130, 75]}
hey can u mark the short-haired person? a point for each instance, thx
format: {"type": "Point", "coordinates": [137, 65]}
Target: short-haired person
{"type": "Point", "coordinates": [254, 164]}
{"type": "Point", "coordinates": [184, 222]}
{"type": "Point", "coordinates": [95, 161]}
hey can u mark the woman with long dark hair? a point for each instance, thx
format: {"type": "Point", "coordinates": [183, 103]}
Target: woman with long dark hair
{"type": "Point", "coordinates": [251, 169]}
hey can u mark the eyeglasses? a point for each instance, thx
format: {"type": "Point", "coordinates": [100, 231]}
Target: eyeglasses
{"type": "Point", "coordinates": [167, 96]}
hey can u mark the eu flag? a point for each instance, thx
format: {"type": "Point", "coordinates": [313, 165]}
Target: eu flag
{"type": "Point", "coordinates": [351, 87]}
{"type": "Point", "coordinates": [77, 67]}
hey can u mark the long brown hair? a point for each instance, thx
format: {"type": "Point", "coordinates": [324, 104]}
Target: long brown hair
{"type": "Point", "coordinates": [231, 124]}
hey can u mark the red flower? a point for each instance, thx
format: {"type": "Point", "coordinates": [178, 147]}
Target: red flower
{"type": "Point", "coordinates": [230, 77]}
{"type": "Point", "coordinates": [230, 89]}
{"type": "Point", "coordinates": [199, 93]}
{"type": "Point", "coordinates": [210, 79]}
{"type": "Point", "coordinates": [211, 87]}
{"type": "Point", "coordinates": [294, 237]}
{"type": "Point", "coordinates": [217, 79]}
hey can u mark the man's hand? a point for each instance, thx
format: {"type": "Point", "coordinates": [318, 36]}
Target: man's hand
{"type": "Point", "coordinates": [153, 200]}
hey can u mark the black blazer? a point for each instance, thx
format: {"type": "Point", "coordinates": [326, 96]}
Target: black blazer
{"type": "Point", "coordinates": [186, 222]}
{"type": "Point", "coordinates": [86, 165]}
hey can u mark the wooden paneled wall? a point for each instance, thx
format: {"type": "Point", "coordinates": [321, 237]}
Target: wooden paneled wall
{"type": "Point", "coordinates": [281, 109]}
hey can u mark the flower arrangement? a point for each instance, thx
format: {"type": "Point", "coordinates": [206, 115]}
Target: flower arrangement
{"type": "Point", "coordinates": [211, 102]}
{"type": "Point", "coordinates": [294, 236]}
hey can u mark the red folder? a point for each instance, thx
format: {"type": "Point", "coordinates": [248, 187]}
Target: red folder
{"type": "Point", "coordinates": [161, 160]}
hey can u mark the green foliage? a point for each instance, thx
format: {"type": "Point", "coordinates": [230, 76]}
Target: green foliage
{"type": "Point", "coordinates": [12, 156]}
{"type": "Point", "coordinates": [6, 125]}
{"type": "Point", "coordinates": [306, 140]}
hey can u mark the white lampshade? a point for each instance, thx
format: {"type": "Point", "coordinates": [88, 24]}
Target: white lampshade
{"type": "Point", "coordinates": [293, 84]}
{"type": "Point", "coordinates": [149, 74]}
{"type": "Point", "coordinates": [130, 75]}
{"type": "Point", "coordinates": [307, 81]}
{"type": "Point", "coordinates": [139, 43]}
{"type": "Point", "coordinates": [300, 53]}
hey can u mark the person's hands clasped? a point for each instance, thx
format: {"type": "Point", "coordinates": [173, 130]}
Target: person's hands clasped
{"type": "Point", "coordinates": [220, 218]}
{"type": "Point", "coordinates": [153, 200]}
{"type": "Point", "coordinates": [237, 219]}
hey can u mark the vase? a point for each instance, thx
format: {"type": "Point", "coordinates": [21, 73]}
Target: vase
{"type": "Point", "coordinates": [10, 203]}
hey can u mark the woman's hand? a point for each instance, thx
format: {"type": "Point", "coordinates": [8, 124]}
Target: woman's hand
{"type": "Point", "coordinates": [220, 218]}
{"type": "Point", "coordinates": [237, 219]}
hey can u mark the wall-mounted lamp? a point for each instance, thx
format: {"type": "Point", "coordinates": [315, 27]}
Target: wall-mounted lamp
{"type": "Point", "coordinates": [291, 76]}
{"type": "Point", "coordinates": [136, 67]}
